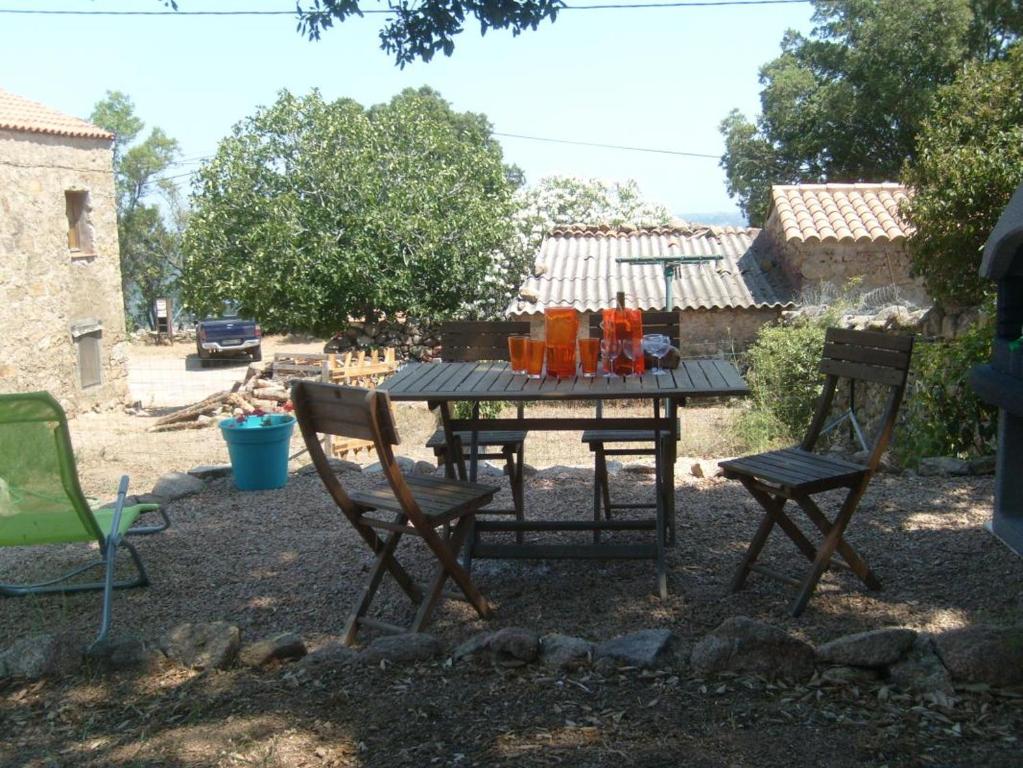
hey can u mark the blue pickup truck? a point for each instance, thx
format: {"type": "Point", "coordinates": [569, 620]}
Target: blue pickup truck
{"type": "Point", "coordinates": [228, 336]}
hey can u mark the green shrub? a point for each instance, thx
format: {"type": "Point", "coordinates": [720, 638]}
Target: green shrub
{"type": "Point", "coordinates": [489, 409]}
{"type": "Point", "coordinates": [941, 414]}
{"type": "Point", "coordinates": [784, 380]}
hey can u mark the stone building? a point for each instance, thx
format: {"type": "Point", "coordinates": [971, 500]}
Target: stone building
{"type": "Point", "coordinates": [815, 235]}
{"type": "Point", "coordinates": [833, 233]}
{"type": "Point", "coordinates": [723, 303]}
{"type": "Point", "coordinates": [61, 309]}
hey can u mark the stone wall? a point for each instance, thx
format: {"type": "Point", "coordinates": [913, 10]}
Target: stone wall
{"type": "Point", "coordinates": [876, 265]}
{"type": "Point", "coordinates": [46, 290]}
{"type": "Point", "coordinates": [705, 332]}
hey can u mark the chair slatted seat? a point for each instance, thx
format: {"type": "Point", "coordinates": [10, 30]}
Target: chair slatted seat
{"type": "Point", "coordinates": [440, 511]}
{"type": "Point", "coordinates": [597, 439]}
{"type": "Point", "coordinates": [795, 474]}
{"type": "Point", "coordinates": [477, 341]}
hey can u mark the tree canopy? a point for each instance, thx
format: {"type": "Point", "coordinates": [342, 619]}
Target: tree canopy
{"type": "Point", "coordinates": [969, 161]}
{"type": "Point", "coordinates": [846, 103]}
{"type": "Point", "coordinates": [418, 30]}
{"type": "Point", "coordinates": [150, 247]}
{"type": "Point", "coordinates": [313, 212]}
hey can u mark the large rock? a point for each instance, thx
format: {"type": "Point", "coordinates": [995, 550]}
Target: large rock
{"type": "Point", "coordinates": [42, 656]}
{"type": "Point", "coordinates": [564, 651]}
{"type": "Point", "coordinates": [210, 471]}
{"type": "Point", "coordinates": [401, 649]}
{"type": "Point", "coordinates": [876, 648]}
{"type": "Point", "coordinates": [280, 647]}
{"type": "Point", "coordinates": [177, 485]}
{"type": "Point", "coordinates": [203, 646]}
{"type": "Point", "coordinates": [983, 654]}
{"type": "Point", "coordinates": [508, 646]}
{"type": "Point", "coordinates": [745, 645]}
{"type": "Point", "coordinates": [646, 648]}
{"type": "Point", "coordinates": [128, 653]}
{"type": "Point", "coordinates": [935, 466]}
{"type": "Point", "coordinates": [921, 670]}
{"type": "Point", "coordinates": [332, 655]}
{"type": "Point", "coordinates": [424, 468]}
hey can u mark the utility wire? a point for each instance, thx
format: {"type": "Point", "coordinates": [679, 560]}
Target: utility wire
{"type": "Point", "coordinates": [609, 146]}
{"type": "Point", "coordinates": [388, 11]}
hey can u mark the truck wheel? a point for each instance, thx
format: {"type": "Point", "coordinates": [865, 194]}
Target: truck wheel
{"type": "Point", "coordinates": [204, 356]}
{"type": "Point", "coordinates": [257, 354]}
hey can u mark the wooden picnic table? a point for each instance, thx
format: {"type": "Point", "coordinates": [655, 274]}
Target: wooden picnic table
{"type": "Point", "coordinates": [439, 384]}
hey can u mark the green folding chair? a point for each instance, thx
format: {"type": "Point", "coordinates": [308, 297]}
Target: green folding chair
{"type": "Point", "coordinates": [41, 501]}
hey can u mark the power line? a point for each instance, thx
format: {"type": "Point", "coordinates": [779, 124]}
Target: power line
{"type": "Point", "coordinates": [610, 146]}
{"type": "Point", "coordinates": [388, 11]}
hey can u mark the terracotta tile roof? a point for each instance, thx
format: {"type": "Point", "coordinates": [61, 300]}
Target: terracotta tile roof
{"type": "Point", "coordinates": [18, 114]}
{"type": "Point", "coordinates": [833, 213]}
{"type": "Point", "coordinates": [577, 267]}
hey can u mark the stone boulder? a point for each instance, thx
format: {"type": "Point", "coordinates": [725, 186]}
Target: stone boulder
{"type": "Point", "coordinates": [280, 647]}
{"type": "Point", "coordinates": [565, 652]}
{"type": "Point", "coordinates": [876, 648]}
{"type": "Point", "coordinates": [921, 671]}
{"type": "Point", "coordinates": [331, 655]}
{"type": "Point", "coordinates": [45, 655]}
{"type": "Point", "coordinates": [424, 468]}
{"type": "Point", "coordinates": [203, 646]}
{"type": "Point", "coordinates": [177, 485]}
{"type": "Point", "coordinates": [128, 653]}
{"type": "Point", "coordinates": [983, 654]}
{"type": "Point", "coordinates": [401, 649]}
{"type": "Point", "coordinates": [939, 466]}
{"type": "Point", "coordinates": [745, 645]}
{"type": "Point", "coordinates": [509, 646]}
{"type": "Point", "coordinates": [645, 648]}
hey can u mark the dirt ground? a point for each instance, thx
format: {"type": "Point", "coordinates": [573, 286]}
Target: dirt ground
{"type": "Point", "coordinates": [287, 560]}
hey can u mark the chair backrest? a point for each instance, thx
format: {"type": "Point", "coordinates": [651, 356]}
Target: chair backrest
{"type": "Point", "coordinates": [332, 409]}
{"type": "Point", "coordinates": [41, 500]}
{"type": "Point", "coordinates": [472, 341]}
{"type": "Point", "coordinates": [863, 356]}
{"type": "Point", "coordinates": [653, 322]}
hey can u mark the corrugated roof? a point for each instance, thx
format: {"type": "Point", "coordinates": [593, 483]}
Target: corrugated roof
{"type": "Point", "coordinates": [577, 267]}
{"type": "Point", "coordinates": [19, 114]}
{"type": "Point", "coordinates": [833, 213]}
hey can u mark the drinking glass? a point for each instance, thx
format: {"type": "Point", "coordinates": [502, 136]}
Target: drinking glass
{"type": "Point", "coordinates": [517, 353]}
{"type": "Point", "coordinates": [611, 349]}
{"type": "Point", "coordinates": [657, 346]}
{"type": "Point", "coordinates": [588, 351]}
{"type": "Point", "coordinates": [627, 358]}
{"type": "Point", "coordinates": [534, 357]}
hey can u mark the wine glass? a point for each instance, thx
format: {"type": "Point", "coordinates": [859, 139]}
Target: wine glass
{"type": "Point", "coordinates": [657, 346]}
{"type": "Point", "coordinates": [610, 349]}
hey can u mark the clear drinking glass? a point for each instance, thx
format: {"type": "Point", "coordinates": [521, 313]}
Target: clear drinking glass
{"type": "Point", "coordinates": [610, 349]}
{"type": "Point", "coordinates": [656, 345]}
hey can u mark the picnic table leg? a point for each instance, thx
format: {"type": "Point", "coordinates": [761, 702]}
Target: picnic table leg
{"type": "Point", "coordinates": [672, 449]}
{"type": "Point", "coordinates": [474, 442]}
{"type": "Point", "coordinates": [659, 481]}
{"type": "Point", "coordinates": [454, 455]}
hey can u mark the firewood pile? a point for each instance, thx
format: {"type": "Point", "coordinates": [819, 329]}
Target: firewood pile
{"type": "Point", "coordinates": [258, 391]}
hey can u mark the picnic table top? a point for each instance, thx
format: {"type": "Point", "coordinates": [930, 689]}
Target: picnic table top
{"type": "Point", "coordinates": [494, 381]}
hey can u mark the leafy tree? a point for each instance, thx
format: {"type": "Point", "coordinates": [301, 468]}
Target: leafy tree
{"type": "Point", "coordinates": [150, 248]}
{"type": "Point", "coordinates": [419, 30]}
{"type": "Point", "coordinates": [846, 103]}
{"type": "Point", "coordinates": [313, 212]}
{"type": "Point", "coordinates": [969, 162]}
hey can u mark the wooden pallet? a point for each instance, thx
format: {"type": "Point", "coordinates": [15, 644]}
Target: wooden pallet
{"type": "Point", "coordinates": [364, 369]}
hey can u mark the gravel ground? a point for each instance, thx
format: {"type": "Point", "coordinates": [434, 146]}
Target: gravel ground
{"type": "Point", "coordinates": [287, 560]}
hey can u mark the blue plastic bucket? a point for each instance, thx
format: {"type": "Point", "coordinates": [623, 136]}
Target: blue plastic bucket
{"type": "Point", "coordinates": [259, 454]}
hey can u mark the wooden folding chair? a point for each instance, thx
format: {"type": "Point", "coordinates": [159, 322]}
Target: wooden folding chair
{"type": "Point", "coordinates": [416, 505]}
{"type": "Point", "coordinates": [638, 442]}
{"type": "Point", "coordinates": [797, 473]}
{"type": "Point", "coordinates": [470, 342]}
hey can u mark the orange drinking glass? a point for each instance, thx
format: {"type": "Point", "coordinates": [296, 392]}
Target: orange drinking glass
{"type": "Point", "coordinates": [534, 358]}
{"type": "Point", "coordinates": [517, 353]}
{"type": "Point", "coordinates": [589, 350]}
{"type": "Point", "coordinates": [560, 361]}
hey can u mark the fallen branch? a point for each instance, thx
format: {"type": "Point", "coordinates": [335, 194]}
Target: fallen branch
{"type": "Point", "coordinates": [179, 425]}
{"type": "Point", "coordinates": [193, 411]}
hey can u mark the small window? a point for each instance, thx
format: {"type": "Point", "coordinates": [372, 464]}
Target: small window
{"type": "Point", "coordinates": [89, 369]}
{"type": "Point", "coordinates": [79, 228]}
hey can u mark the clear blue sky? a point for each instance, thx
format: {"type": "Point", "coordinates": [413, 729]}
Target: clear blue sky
{"type": "Point", "coordinates": [660, 78]}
